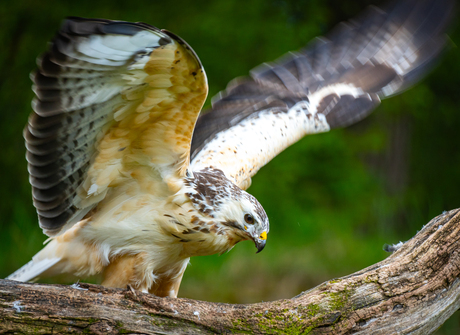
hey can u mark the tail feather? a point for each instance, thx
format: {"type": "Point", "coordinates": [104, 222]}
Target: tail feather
{"type": "Point", "coordinates": [33, 269]}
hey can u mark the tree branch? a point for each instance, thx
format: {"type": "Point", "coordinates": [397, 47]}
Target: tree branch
{"type": "Point", "coordinates": [411, 292]}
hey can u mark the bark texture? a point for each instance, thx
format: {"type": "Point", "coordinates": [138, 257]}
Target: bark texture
{"type": "Point", "coordinates": [411, 292]}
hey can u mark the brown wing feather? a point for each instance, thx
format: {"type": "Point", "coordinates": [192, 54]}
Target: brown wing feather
{"type": "Point", "coordinates": [341, 78]}
{"type": "Point", "coordinates": [110, 95]}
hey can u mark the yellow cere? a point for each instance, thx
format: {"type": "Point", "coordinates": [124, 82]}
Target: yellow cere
{"type": "Point", "coordinates": [263, 236]}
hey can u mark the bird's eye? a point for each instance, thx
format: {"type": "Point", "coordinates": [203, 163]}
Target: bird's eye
{"type": "Point", "coordinates": [249, 219]}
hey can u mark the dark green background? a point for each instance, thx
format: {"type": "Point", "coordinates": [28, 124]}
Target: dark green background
{"type": "Point", "coordinates": [333, 199]}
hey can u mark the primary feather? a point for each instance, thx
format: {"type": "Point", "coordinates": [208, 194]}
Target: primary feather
{"type": "Point", "coordinates": [104, 89]}
{"type": "Point", "coordinates": [334, 82]}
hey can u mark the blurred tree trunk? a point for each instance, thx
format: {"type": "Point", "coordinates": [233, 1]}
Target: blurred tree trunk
{"type": "Point", "coordinates": [411, 292]}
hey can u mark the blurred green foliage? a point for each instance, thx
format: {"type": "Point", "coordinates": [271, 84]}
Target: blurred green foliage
{"type": "Point", "coordinates": [333, 199]}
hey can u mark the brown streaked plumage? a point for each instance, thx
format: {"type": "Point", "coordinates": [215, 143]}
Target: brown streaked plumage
{"type": "Point", "coordinates": [118, 182]}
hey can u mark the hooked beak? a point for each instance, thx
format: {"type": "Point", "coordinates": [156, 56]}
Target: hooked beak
{"type": "Point", "coordinates": [260, 242]}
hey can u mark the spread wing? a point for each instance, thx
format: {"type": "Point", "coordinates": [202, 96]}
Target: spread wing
{"type": "Point", "coordinates": [333, 82]}
{"type": "Point", "coordinates": [110, 97]}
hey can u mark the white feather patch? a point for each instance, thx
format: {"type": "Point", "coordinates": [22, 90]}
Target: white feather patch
{"type": "Point", "coordinates": [339, 89]}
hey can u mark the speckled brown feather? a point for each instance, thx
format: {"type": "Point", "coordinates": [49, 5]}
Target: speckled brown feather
{"type": "Point", "coordinates": [103, 106]}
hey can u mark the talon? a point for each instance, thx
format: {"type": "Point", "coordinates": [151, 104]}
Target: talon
{"type": "Point", "coordinates": [130, 288]}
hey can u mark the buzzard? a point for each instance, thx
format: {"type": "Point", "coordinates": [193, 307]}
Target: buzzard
{"type": "Point", "coordinates": [130, 182]}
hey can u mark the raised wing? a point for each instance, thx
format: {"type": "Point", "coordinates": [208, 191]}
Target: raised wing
{"type": "Point", "coordinates": [110, 97]}
{"type": "Point", "coordinates": [333, 82]}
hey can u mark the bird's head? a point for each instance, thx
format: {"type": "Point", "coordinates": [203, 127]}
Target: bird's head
{"type": "Point", "coordinates": [246, 217]}
{"type": "Point", "coordinates": [238, 212]}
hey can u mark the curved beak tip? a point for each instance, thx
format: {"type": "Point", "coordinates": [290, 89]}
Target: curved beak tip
{"type": "Point", "coordinates": [260, 245]}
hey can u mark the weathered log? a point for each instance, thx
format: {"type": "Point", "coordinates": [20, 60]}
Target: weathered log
{"type": "Point", "coordinates": [413, 291]}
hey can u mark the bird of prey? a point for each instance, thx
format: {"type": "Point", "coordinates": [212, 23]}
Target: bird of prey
{"type": "Point", "coordinates": [130, 182]}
